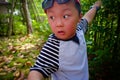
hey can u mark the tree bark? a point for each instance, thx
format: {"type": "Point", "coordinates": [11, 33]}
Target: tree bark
{"type": "Point", "coordinates": [10, 27]}
{"type": "Point", "coordinates": [36, 11]}
{"type": "Point", "coordinates": [27, 16]}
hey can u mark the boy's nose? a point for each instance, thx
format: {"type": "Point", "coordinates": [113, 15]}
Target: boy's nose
{"type": "Point", "coordinates": [59, 23]}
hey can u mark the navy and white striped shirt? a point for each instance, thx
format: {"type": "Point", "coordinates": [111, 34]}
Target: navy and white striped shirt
{"type": "Point", "coordinates": [64, 60]}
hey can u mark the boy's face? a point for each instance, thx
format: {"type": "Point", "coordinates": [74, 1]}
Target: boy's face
{"type": "Point", "coordinates": [63, 19]}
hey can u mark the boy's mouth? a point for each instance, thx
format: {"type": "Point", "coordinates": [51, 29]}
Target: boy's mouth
{"type": "Point", "coordinates": [61, 32]}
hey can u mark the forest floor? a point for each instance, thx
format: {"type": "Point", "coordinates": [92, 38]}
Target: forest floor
{"type": "Point", "coordinates": [17, 55]}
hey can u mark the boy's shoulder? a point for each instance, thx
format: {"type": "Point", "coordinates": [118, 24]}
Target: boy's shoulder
{"type": "Point", "coordinates": [82, 25]}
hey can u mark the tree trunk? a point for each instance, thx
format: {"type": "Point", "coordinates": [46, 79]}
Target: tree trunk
{"type": "Point", "coordinates": [31, 4]}
{"type": "Point", "coordinates": [27, 16]}
{"type": "Point", "coordinates": [36, 11]}
{"type": "Point", "coordinates": [10, 27]}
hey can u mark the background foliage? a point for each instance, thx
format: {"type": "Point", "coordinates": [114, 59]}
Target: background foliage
{"type": "Point", "coordinates": [19, 51]}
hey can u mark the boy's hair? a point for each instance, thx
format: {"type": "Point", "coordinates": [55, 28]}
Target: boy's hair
{"type": "Point", "coordinates": [78, 7]}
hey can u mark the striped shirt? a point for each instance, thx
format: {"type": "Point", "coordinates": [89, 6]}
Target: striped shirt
{"type": "Point", "coordinates": [64, 60]}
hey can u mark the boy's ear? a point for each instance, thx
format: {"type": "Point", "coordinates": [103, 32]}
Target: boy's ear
{"type": "Point", "coordinates": [80, 17]}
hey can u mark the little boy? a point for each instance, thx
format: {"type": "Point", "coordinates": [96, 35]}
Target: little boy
{"type": "Point", "coordinates": [64, 55]}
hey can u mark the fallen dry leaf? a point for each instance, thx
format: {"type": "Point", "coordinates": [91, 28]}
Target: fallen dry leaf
{"type": "Point", "coordinates": [28, 63]}
{"type": "Point", "coordinates": [17, 73]}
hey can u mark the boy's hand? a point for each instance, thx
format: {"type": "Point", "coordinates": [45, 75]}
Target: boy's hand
{"type": "Point", "coordinates": [98, 3]}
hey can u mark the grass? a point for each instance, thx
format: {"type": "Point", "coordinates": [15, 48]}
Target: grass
{"type": "Point", "coordinates": [17, 55]}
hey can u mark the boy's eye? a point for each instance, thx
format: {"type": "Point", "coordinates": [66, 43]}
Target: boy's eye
{"type": "Point", "coordinates": [52, 17]}
{"type": "Point", "coordinates": [65, 16]}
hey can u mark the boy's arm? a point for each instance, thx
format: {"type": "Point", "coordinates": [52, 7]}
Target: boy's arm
{"type": "Point", "coordinates": [92, 12]}
{"type": "Point", "coordinates": [35, 75]}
